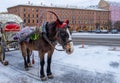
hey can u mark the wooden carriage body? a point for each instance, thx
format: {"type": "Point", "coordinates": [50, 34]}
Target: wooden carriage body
{"type": "Point", "coordinates": [9, 25]}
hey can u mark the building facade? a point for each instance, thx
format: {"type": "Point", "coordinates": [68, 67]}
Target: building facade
{"type": "Point", "coordinates": [78, 17]}
{"type": "Point", "coordinates": [113, 7]}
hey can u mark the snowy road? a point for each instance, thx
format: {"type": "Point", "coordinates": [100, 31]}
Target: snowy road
{"type": "Point", "coordinates": [63, 68]}
{"type": "Point", "coordinates": [96, 39]}
{"type": "Point", "coordinates": [62, 73]}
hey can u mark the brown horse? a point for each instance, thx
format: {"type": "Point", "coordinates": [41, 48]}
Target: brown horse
{"type": "Point", "coordinates": [57, 31]}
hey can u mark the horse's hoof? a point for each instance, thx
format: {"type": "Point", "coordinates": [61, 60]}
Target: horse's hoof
{"type": "Point", "coordinates": [29, 65]}
{"type": "Point", "coordinates": [50, 76]}
{"type": "Point", "coordinates": [43, 78]}
{"type": "Point", "coordinates": [26, 68]}
{"type": "Point", "coordinates": [5, 63]}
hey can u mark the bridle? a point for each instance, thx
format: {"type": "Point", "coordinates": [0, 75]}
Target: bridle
{"type": "Point", "coordinates": [59, 24]}
{"type": "Point", "coordinates": [63, 43]}
{"type": "Point", "coordinates": [58, 34]}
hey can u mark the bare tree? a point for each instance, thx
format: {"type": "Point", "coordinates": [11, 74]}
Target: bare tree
{"type": "Point", "coordinates": [117, 25]}
{"type": "Point", "coordinates": [97, 26]}
{"type": "Point", "coordinates": [108, 24]}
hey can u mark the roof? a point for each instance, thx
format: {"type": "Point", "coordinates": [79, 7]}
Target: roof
{"type": "Point", "coordinates": [95, 7]}
{"type": "Point", "coordinates": [64, 7]}
{"type": "Point", "coordinates": [10, 17]}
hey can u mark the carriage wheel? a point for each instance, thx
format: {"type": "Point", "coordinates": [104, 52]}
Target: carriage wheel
{"type": "Point", "coordinates": [2, 55]}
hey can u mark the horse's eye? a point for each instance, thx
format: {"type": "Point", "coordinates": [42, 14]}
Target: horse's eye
{"type": "Point", "coordinates": [65, 35]}
{"type": "Point", "coordinates": [62, 34]}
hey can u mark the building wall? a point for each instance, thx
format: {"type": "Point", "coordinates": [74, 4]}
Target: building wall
{"type": "Point", "coordinates": [113, 7]}
{"type": "Point", "coordinates": [115, 12]}
{"type": "Point", "coordinates": [77, 17]}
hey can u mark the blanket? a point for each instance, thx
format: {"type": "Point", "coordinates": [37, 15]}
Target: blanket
{"type": "Point", "coordinates": [25, 34]}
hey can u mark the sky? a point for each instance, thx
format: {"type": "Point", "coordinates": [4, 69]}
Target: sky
{"type": "Point", "coordinates": [4, 4]}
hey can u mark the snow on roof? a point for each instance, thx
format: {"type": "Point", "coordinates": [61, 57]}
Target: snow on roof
{"type": "Point", "coordinates": [95, 7]}
{"type": "Point", "coordinates": [67, 6]}
{"type": "Point", "coordinates": [10, 17]}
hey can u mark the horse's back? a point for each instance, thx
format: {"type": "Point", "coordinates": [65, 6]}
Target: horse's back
{"type": "Point", "coordinates": [39, 44]}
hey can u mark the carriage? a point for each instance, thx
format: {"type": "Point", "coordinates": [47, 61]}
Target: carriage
{"type": "Point", "coordinates": [9, 25]}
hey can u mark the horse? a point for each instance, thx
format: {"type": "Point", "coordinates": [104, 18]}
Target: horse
{"type": "Point", "coordinates": [57, 31]}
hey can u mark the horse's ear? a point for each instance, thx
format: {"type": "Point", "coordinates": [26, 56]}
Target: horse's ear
{"type": "Point", "coordinates": [58, 22]}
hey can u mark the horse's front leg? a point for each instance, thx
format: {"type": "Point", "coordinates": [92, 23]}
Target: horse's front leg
{"type": "Point", "coordinates": [24, 54]}
{"type": "Point", "coordinates": [42, 62]}
{"type": "Point", "coordinates": [49, 58]}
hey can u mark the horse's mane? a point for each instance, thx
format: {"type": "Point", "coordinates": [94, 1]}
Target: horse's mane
{"type": "Point", "coordinates": [52, 24]}
{"type": "Point", "coordinates": [51, 28]}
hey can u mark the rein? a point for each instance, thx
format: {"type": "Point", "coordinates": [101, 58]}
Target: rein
{"type": "Point", "coordinates": [63, 43]}
{"type": "Point", "coordinates": [54, 46]}
{"type": "Point", "coordinates": [63, 49]}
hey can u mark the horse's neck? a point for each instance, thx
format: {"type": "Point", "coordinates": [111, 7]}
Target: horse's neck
{"type": "Point", "coordinates": [51, 32]}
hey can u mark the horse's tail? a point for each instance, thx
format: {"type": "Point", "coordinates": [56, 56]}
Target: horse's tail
{"type": "Point", "coordinates": [58, 20]}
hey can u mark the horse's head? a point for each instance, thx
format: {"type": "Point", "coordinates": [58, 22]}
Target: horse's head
{"type": "Point", "coordinates": [63, 35]}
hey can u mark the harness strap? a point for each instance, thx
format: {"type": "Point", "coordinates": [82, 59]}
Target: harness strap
{"type": "Point", "coordinates": [54, 45]}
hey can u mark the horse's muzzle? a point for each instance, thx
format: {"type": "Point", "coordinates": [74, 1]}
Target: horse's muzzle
{"type": "Point", "coordinates": [69, 48]}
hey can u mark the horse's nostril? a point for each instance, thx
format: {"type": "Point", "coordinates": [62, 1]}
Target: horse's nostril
{"type": "Point", "coordinates": [69, 50]}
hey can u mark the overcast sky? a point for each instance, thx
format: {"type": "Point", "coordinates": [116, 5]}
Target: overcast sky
{"type": "Point", "coordinates": [4, 4]}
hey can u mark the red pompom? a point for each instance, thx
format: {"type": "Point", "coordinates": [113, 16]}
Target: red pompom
{"type": "Point", "coordinates": [63, 25]}
{"type": "Point", "coordinates": [67, 21]}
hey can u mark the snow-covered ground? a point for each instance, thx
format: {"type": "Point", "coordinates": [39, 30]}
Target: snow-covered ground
{"type": "Point", "coordinates": [101, 59]}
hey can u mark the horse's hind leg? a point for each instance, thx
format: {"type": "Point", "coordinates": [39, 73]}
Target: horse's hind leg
{"type": "Point", "coordinates": [49, 73]}
{"type": "Point", "coordinates": [28, 58]}
{"type": "Point", "coordinates": [24, 53]}
{"type": "Point", "coordinates": [25, 63]}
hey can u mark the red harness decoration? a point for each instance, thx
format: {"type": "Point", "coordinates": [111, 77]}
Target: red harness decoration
{"type": "Point", "coordinates": [65, 23]}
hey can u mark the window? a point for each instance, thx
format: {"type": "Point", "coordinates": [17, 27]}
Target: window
{"type": "Point", "coordinates": [24, 15]}
{"type": "Point", "coordinates": [28, 20]}
{"type": "Point", "coordinates": [33, 21]}
{"type": "Point", "coordinates": [24, 10]}
{"type": "Point", "coordinates": [37, 20]}
{"type": "Point", "coordinates": [37, 15]}
{"type": "Point", "coordinates": [28, 10]}
{"type": "Point", "coordinates": [24, 20]}
{"type": "Point", "coordinates": [36, 10]}
{"type": "Point", "coordinates": [28, 15]}
{"type": "Point", "coordinates": [32, 10]}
